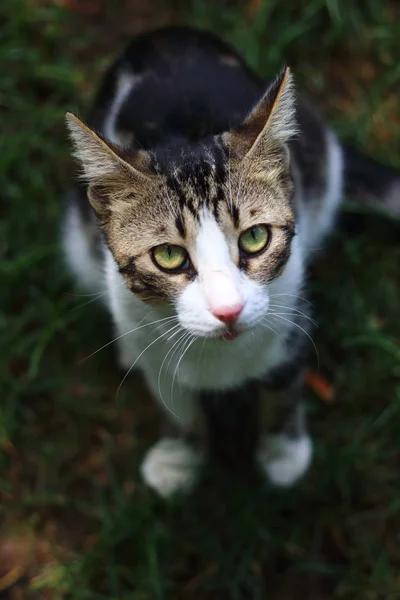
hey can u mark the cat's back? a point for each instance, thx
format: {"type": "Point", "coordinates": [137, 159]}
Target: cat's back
{"type": "Point", "coordinates": [173, 83]}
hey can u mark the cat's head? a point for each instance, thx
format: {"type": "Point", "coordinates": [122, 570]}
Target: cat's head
{"type": "Point", "coordinates": [205, 227]}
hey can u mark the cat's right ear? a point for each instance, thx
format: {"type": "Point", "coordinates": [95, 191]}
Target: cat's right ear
{"type": "Point", "coordinates": [105, 166]}
{"type": "Point", "coordinates": [271, 123]}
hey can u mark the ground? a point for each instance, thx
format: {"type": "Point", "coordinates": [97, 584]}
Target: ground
{"type": "Point", "coordinates": [76, 522]}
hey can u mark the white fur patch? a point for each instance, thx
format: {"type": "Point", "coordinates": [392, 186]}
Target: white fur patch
{"type": "Point", "coordinates": [391, 202]}
{"type": "Point", "coordinates": [95, 156]}
{"type": "Point", "coordinates": [316, 220]}
{"type": "Point", "coordinates": [170, 466]}
{"type": "Point", "coordinates": [219, 278]}
{"type": "Point", "coordinates": [220, 285]}
{"type": "Point", "coordinates": [78, 248]}
{"type": "Point", "coordinates": [125, 84]}
{"type": "Point", "coordinates": [285, 459]}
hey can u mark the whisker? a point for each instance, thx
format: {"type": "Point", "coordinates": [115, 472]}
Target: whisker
{"type": "Point", "coordinates": [295, 314]}
{"type": "Point", "coordinates": [201, 350]}
{"type": "Point", "coordinates": [289, 308]}
{"type": "Point", "coordinates": [138, 357]}
{"type": "Point", "coordinates": [176, 350]}
{"type": "Point", "coordinates": [181, 344]}
{"type": "Point", "coordinates": [165, 358]}
{"type": "Point", "coordinates": [303, 330]}
{"type": "Point", "coordinates": [96, 294]}
{"type": "Point", "coordinates": [89, 301]}
{"type": "Point", "coordinates": [293, 296]}
{"type": "Point", "coordinates": [192, 338]}
{"type": "Point", "coordinates": [127, 333]}
{"type": "Point", "coordinates": [171, 336]}
{"type": "Point", "coordinates": [163, 362]}
{"type": "Point", "coordinates": [177, 327]}
{"type": "Point", "coordinates": [93, 297]}
{"type": "Point", "coordinates": [268, 325]}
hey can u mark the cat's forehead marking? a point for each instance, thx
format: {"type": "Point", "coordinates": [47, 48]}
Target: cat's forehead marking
{"type": "Point", "coordinates": [196, 178]}
{"type": "Point", "coordinates": [180, 225]}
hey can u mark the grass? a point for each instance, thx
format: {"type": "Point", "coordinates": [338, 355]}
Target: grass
{"type": "Point", "coordinates": [73, 511]}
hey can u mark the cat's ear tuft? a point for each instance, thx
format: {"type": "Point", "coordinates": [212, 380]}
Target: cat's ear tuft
{"type": "Point", "coordinates": [271, 123]}
{"type": "Point", "coordinates": [99, 157]}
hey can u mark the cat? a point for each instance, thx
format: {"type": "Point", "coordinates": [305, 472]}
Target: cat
{"type": "Point", "coordinates": [205, 195]}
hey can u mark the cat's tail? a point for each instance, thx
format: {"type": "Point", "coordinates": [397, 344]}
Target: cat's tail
{"type": "Point", "coordinates": [371, 183]}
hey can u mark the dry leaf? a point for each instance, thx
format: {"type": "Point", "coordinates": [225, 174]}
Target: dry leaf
{"type": "Point", "coordinates": [320, 386]}
{"type": "Point", "coordinates": [90, 8]}
{"type": "Point", "coordinates": [27, 555]}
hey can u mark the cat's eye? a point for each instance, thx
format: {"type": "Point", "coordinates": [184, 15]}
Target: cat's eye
{"type": "Point", "coordinates": [170, 257]}
{"type": "Point", "coordinates": [255, 239]}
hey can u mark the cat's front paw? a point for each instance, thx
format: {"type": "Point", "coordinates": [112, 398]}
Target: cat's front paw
{"type": "Point", "coordinates": [284, 459]}
{"type": "Point", "coordinates": [170, 466]}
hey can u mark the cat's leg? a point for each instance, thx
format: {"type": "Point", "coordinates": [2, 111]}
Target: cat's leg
{"type": "Point", "coordinates": [284, 454]}
{"type": "Point", "coordinates": [172, 464]}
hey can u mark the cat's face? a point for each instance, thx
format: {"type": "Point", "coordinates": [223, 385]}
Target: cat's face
{"type": "Point", "coordinates": [207, 230]}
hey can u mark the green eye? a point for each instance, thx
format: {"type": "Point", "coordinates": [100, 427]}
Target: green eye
{"type": "Point", "coordinates": [169, 256]}
{"type": "Point", "coordinates": [254, 240]}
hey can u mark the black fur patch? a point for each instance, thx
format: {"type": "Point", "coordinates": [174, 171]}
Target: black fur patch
{"type": "Point", "coordinates": [180, 225]}
{"type": "Point", "coordinates": [235, 214]}
{"type": "Point", "coordinates": [232, 424]}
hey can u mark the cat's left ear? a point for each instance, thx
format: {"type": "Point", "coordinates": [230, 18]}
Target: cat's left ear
{"type": "Point", "coordinates": [271, 123]}
{"type": "Point", "coordinates": [98, 156]}
{"type": "Point", "coordinates": [107, 168]}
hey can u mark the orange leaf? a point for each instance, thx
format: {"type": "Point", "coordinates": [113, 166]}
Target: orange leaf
{"type": "Point", "coordinates": [10, 578]}
{"type": "Point", "coordinates": [320, 386]}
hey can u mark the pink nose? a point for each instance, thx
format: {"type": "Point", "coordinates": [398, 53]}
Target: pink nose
{"type": "Point", "coordinates": [228, 314]}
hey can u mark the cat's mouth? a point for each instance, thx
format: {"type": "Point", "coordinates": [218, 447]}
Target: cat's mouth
{"type": "Point", "coordinates": [229, 334]}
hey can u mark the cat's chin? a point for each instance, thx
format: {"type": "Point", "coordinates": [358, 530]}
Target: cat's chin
{"type": "Point", "coordinates": [227, 334]}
